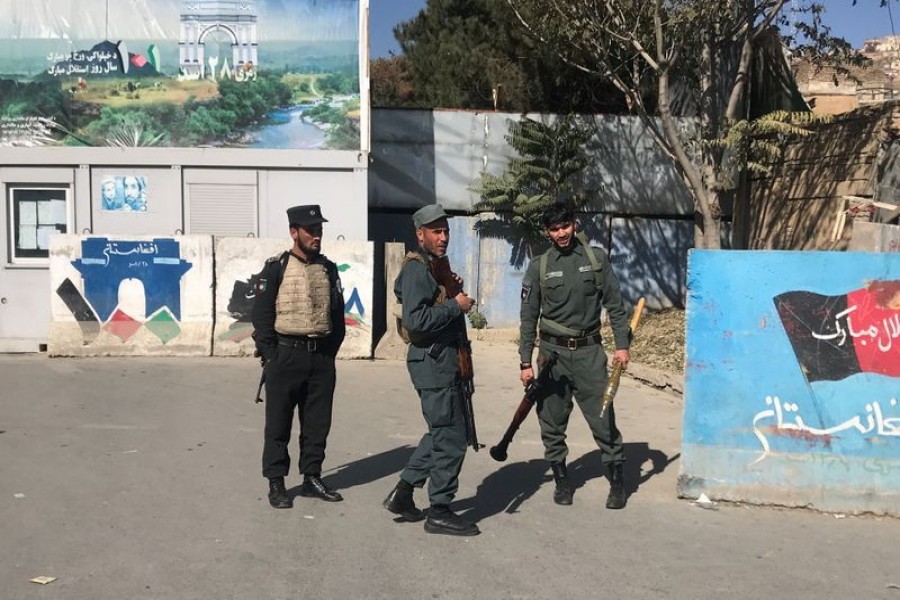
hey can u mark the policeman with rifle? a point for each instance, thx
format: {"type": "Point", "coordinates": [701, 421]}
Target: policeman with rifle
{"type": "Point", "coordinates": [298, 321]}
{"type": "Point", "coordinates": [439, 364]}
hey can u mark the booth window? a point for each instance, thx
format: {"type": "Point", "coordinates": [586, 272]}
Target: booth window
{"type": "Point", "coordinates": [36, 213]}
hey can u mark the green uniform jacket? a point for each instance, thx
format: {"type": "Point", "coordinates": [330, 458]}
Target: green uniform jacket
{"type": "Point", "coordinates": [431, 361]}
{"type": "Point", "coordinates": [571, 296]}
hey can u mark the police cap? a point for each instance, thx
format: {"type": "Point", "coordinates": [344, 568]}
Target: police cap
{"type": "Point", "coordinates": [303, 216]}
{"type": "Point", "coordinates": [429, 214]}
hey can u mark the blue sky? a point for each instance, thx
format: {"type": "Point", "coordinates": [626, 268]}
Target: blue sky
{"type": "Point", "coordinates": [853, 23]}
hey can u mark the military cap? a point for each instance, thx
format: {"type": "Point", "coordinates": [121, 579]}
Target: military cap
{"type": "Point", "coordinates": [429, 214]}
{"type": "Point", "coordinates": [308, 214]}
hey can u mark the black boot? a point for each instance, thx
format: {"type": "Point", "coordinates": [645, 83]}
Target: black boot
{"type": "Point", "coordinates": [278, 496]}
{"type": "Point", "coordinates": [616, 498]}
{"type": "Point", "coordinates": [400, 502]}
{"type": "Point", "coordinates": [563, 492]}
{"type": "Point", "coordinates": [443, 520]}
{"type": "Point", "coordinates": [314, 487]}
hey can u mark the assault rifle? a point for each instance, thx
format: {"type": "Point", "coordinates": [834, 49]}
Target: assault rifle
{"type": "Point", "coordinates": [440, 270]}
{"type": "Point", "coordinates": [532, 390]}
{"type": "Point", "coordinates": [262, 376]}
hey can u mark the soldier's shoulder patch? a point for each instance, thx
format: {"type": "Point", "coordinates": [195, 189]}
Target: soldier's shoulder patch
{"type": "Point", "coordinates": [526, 292]}
{"type": "Point", "coordinates": [261, 285]}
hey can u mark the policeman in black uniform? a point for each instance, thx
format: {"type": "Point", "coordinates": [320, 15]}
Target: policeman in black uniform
{"type": "Point", "coordinates": [433, 323]}
{"type": "Point", "coordinates": [564, 291]}
{"type": "Point", "coordinates": [298, 317]}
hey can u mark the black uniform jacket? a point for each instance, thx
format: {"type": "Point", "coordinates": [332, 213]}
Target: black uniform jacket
{"type": "Point", "coordinates": [264, 306]}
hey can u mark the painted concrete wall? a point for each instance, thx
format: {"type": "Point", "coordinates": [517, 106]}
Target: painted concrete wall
{"type": "Point", "coordinates": [335, 180]}
{"type": "Point", "coordinates": [792, 383]}
{"type": "Point", "coordinates": [874, 237]}
{"type": "Point", "coordinates": [239, 261]}
{"type": "Point", "coordinates": [130, 295]}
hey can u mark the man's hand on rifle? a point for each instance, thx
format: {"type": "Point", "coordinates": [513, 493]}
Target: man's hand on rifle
{"type": "Point", "coordinates": [526, 374]}
{"type": "Point", "coordinates": [263, 359]}
{"type": "Point", "coordinates": [465, 303]}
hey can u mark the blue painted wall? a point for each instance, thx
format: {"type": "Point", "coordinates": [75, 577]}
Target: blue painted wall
{"type": "Point", "coordinates": [810, 419]}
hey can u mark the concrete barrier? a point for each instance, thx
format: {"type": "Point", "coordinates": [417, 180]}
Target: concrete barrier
{"type": "Point", "coordinates": [391, 346]}
{"type": "Point", "coordinates": [239, 260]}
{"type": "Point", "coordinates": [130, 295]}
{"type": "Point", "coordinates": [792, 387]}
{"type": "Point", "coordinates": [874, 237]}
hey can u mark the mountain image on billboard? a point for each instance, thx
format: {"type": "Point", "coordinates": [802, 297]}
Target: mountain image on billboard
{"type": "Point", "coordinates": [275, 74]}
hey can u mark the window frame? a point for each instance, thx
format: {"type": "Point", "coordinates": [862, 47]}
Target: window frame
{"type": "Point", "coordinates": [13, 258]}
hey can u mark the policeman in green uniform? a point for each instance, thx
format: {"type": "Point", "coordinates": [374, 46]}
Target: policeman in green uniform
{"type": "Point", "coordinates": [298, 318]}
{"type": "Point", "coordinates": [563, 292]}
{"type": "Point", "coordinates": [433, 323]}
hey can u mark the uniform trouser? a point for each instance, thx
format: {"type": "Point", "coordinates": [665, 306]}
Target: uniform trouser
{"type": "Point", "coordinates": [298, 378]}
{"type": "Point", "coordinates": [582, 373]}
{"type": "Point", "coordinates": [439, 455]}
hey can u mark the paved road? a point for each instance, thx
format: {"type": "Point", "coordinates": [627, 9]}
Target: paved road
{"type": "Point", "coordinates": [141, 480]}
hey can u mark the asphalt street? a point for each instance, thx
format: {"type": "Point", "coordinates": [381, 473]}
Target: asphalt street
{"type": "Point", "coordinates": [134, 478]}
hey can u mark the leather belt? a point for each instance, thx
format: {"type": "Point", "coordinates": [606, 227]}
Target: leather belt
{"type": "Point", "coordinates": [302, 343]}
{"type": "Point", "coordinates": [570, 343]}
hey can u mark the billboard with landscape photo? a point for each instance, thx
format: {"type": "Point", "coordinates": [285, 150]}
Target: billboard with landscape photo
{"type": "Point", "coordinates": [275, 74]}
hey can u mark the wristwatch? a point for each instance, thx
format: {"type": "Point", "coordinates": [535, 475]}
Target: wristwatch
{"type": "Point", "coordinates": [524, 365]}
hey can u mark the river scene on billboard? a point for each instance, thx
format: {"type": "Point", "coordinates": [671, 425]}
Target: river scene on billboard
{"type": "Point", "coordinates": [275, 74]}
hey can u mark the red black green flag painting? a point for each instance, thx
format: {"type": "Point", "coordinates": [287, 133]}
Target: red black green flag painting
{"type": "Point", "coordinates": [835, 337]}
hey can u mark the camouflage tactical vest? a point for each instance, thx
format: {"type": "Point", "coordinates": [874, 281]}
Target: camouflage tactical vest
{"type": "Point", "coordinates": [303, 304]}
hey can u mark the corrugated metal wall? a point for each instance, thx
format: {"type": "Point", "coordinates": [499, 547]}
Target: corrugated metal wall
{"type": "Point", "coordinates": [641, 211]}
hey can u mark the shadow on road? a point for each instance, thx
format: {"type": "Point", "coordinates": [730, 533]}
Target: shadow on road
{"type": "Point", "coordinates": [369, 469]}
{"type": "Point", "coordinates": [504, 490]}
{"type": "Point", "coordinates": [509, 487]}
{"type": "Point", "coordinates": [590, 466]}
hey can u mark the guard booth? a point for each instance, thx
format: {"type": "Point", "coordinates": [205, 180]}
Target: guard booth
{"type": "Point", "coordinates": [206, 117]}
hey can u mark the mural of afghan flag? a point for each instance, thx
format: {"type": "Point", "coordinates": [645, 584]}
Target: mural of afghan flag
{"type": "Point", "coordinates": [835, 337]}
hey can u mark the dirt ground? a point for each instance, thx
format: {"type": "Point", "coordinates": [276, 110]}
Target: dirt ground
{"type": "Point", "coordinates": [658, 341]}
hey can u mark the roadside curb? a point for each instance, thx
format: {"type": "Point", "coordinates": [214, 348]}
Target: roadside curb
{"type": "Point", "coordinates": [663, 380]}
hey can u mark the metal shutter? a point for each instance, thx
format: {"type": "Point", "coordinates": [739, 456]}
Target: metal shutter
{"type": "Point", "coordinates": [222, 209]}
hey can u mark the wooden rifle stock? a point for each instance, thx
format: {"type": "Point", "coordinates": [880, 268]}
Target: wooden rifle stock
{"type": "Point", "coordinates": [444, 275]}
{"type": "Point", "coordinates": [499, 452]}
{"type": "Point", "coordinates": [612, 386]}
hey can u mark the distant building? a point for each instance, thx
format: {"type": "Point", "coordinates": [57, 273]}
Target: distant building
{"type": "Point", "coordinates": [830, 91]}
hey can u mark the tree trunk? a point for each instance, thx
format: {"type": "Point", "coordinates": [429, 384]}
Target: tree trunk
{"type": "Point", "coordinates": [708, 223]}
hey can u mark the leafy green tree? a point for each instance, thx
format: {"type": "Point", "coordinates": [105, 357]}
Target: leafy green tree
{"type": "Point", "coordinates": [205, 124]}
{"type": "Point", "coordinates": [341, 82]}
{"type": "Point", "coordinates": [127, 127]}
{"type": "Point", "coordinates": [249, 102]}
{"type": "Point", "coordinates": [474, 54]}
{"type": "Point", "coordinates": [343, 136]}
{"type": "Point", "coordinates": [548, 168]}
{"type": "Point", "coordinates": [392, 85]}
{"type": "Point", "coordinates": [693, 53]}
{"type": "Point", "coordinates": [37, 98]}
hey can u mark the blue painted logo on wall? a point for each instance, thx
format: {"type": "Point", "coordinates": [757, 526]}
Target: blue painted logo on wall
{"type": "Point", "coordinates": [104, 264]}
